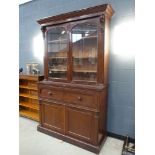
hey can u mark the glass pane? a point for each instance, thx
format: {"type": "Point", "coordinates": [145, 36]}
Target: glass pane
{"type": "Point", "coordinates": [57, 52]}
{"type": "Point", "coordinates": [84, 47]}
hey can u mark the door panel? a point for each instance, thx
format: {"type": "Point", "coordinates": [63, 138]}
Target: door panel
{"type": "Point", "coordinates": [81, 124]}
{"type": "Point", "coordinates": [84, 41]}
{"type": "Point", "coordinates": [57, 48]}
{"type": "Point", "coordinates": [53, 116]}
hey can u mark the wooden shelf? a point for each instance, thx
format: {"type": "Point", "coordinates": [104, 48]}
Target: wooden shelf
{"type": "Point", "coordinates": [77, 70]}
{"type": "Point", "coordinates": [29, 114]}
{"type": "Point", "coordinates": [30, 77]}
{"type": "Point", "coordinates": [59, 40]}
{"type": "Point", "coordinates": [28, 96]}
{"type": "Point", "coordinates": [58, 57]}
{"type": "Point", "coordinates": [89, 37]}
{"type": "Point", "coordinates": [85, 71]}
{"type": "Point", "coordinates": [58, 70]}
{"type": "Point", "coordinates": [80, 57]}
{"type": "Point", "coordinates": [85, 57]}
{"type": "Point", "coordinates": [85, 37]}
{"type": "Point", "coordinates": [29, 105]}
{"type": "Point", "coordinates": [28, 87]}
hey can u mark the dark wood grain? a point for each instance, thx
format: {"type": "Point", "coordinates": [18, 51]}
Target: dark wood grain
{"type": "Point", "coordinates": [76, 15]}
{"type": "Point", "coordinates": [76, 110]}
{"type": "Point", "coordinates": [82, 129]}
{"type": "Point", "coordinates": [53, 116]}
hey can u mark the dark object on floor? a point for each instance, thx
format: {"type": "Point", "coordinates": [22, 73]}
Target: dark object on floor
{"type": "Point", "coordinates": [20, 70]}
{"type": "Point", "coordinates": [128, 148]}
{"type": "Point", "coordinates": [127, 153]}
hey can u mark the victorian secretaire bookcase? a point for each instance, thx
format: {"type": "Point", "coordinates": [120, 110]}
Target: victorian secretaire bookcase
{"type": "Point", "coordinates": [73, 94]}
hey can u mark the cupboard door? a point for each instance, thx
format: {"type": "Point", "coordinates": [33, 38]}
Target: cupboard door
{"type": "Point", "coordinates": [53, 116]}
{"type": "Point", "coordinates": [84, 40]}
{"type": "Point", "coordinates": [81, 124]}
{"type": "Point", "coordinates": [57, 49]}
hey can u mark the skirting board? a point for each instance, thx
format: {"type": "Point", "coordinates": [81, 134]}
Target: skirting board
{"type": "Point", "coordinates": [121, 137]}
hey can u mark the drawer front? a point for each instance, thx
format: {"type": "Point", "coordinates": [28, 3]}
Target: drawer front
{"type": "Point", "coordinates": [51, 93]}
{"type": "Point", "coordinates": [79, 99]}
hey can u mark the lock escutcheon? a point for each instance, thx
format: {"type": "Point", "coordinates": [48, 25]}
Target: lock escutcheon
{"type": "Point", "coordinates": [49, 93]}
{"type": "Point", "coordinates": [79, 98]}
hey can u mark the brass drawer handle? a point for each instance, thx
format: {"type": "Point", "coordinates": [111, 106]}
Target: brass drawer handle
{"type": "Point", "coordinates": [50, 93]}
{"type": "Point", "coordinates": [79, 98]}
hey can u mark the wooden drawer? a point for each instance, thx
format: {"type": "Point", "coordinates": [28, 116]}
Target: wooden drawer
{"type": "Point", "coordinates": [51, 93]}
{"type": "Point", "coordinates": [83, 100]}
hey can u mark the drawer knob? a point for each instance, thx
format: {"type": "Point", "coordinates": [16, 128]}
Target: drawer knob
{"type": "Point", "coordinates": [49, 93]}
{"type": "Point", "coordinates": [79, 98]}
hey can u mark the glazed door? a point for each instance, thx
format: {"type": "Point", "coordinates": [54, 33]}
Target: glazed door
{"type": "Point", "coordinates": [81, 124]}
{"type": "Point", "coordinates": [84, 40]}
{"type": "Point", "coordinates": [53, 116]}
{"type": "Point", "coordinates": [57, 52]}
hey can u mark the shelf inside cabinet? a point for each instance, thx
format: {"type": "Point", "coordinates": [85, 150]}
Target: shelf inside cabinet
{"type": "Point", "coordinates": [62, 40]}
{"type": "Point", "coordinates": [29, 105]}
{"type": "Point", "coordinates": [89, 37]}
{"type": "Point", "coordinates": [58, 70]}
{"type": "Point", "coordinates": [85, 71]}
{"type": "Point", "coordinates": [57, 57]}
{"type": "Point", "coordinates": [79, 57]}
{"type": "Point", "coordinates": [29, 114]}
{"type": "Point", "coordinates": [58, 41]}
{"type": "Point", "coordinates": [85, 57]}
